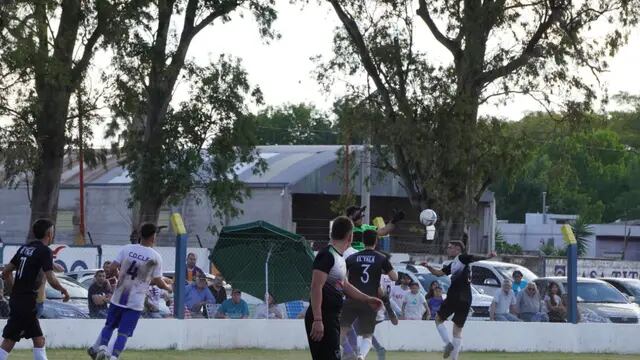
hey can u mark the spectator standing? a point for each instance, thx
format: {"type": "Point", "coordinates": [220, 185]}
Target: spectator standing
{"type": "Point", "coordinates": [518, 283]}
{"type": "Point", "coordinates": [414, 305]}
{"type": "Point", "coordinates": [197, 296]}
{"type": "Point", "coordinates": [269, 311]}
{"type": "Point", "coordinates": [193, 271]}
{"type": "Point", "coordinates": [529, 305]}
{"type": "Point", "coordinates": [398, 293]}
{"type": "Point", "coordinates": [503, 306]}
{"type": "Point", "coordinates": [234, 308]}
{"type": "Point", "coordinates": [99, 296]}
{"type": "Point", "coordinates": [218, 290]}
{"type": "Point", "coordinates": [555, 308]}
{"type": "Point", "coordinates": [111, 274]}
{"type": "Point", "coordinates": [434, 299]}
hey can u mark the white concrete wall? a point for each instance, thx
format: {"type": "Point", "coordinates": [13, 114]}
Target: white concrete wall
{"type": "Point", "coordinates": [408, 335]}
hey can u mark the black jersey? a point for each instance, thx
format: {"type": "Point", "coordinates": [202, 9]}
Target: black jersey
{"type": "Point", "coordinates": [31, 261]}
{"type": "Point", "coordinates": [365, 269]}
{"type": "Point", "coordinates": [329, 260]}
{"type": "Point", "coordinates": [460, 272]}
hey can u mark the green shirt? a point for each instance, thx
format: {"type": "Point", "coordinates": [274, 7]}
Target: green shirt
{"type": "Point", "coordinates": [357, 235]}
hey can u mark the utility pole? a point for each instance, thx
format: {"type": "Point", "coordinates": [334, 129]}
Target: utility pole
{"type": "Point", "coordinates": [544, 207]}
{"type": "Point", "coordinates": [365, 180]}
{"type": "Point", "coordinates": [80, 240]}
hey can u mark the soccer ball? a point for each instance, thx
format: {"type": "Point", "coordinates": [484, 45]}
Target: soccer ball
{"type": "Point", "coordinates": [428, 217]}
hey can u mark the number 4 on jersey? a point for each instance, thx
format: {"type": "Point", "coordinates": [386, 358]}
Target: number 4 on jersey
{"type": "Point", "coordinates": [133, 271]}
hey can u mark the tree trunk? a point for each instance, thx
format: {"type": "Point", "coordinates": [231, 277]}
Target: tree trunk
{"type": "Point", "coordinates": [50, 127]}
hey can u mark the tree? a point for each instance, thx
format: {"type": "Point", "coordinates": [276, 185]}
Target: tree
{"type": "Point", "coordinates": [586, 171]}
{"type": "Point", "coordinates": [149, 65]}
{"type": "Point", "coordinates": [444, 153]}
{"type": "Point", "coordinates": [46, 48]}
{"type": "Point", "coordinates": [299, 124]}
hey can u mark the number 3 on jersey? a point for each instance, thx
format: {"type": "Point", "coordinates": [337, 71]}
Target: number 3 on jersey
{"type": "Point", "coordinates": [365, 273]}
{"type": "Point", "coordinates": [133, 270]}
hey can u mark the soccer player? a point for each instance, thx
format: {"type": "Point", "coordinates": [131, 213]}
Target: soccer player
{"type": "Point", "coordinates": [142, 266]}
{"type": "Point", "coordinates": [458, 301]}
{"type": "Point", "coordinates": [328, 285]}
{"type": "Point", "coordinates": [30, 262]}
{"type": "Point", "coordinates": [356, 214]}
{"type": "Point", "coordinates": [365, 269]}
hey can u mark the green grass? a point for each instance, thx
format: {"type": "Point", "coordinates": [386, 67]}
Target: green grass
{"type": "Point", "coordinates": [54, 354]}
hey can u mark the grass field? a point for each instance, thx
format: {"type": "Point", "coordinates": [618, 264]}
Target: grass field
{"type": "Point", "coordinates": [303, 355]}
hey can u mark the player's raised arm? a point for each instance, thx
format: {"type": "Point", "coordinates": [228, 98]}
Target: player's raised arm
{"type": "Point", "coordinates": [398, 215]}
{"type": "Point", "coordinates": [53, 281]}
{"type": "Point", "coordinates": [434, 271]}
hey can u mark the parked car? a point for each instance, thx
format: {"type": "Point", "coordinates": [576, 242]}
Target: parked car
{"type": "Point", "coordinates": [598, 301]}
{"type": "Point", "coordinates": [76, 308]}
{"type": "Point", "coordinates": [480, 303]}
{"type": "Point", "coordinates": [487, 276]}
{"type": "Point", "coordinates": [81, 274]}
{"type": "Point", "coordinates": [629, 287]}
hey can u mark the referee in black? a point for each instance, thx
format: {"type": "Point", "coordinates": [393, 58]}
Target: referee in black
{"type": "Point", "coordinates": [31, 263]}
{"type": "Point", "coordinates": [328, 286]}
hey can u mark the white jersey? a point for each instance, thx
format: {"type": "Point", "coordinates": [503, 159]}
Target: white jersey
{"type": "Point", "coordinates": [350, 251]}
{"type": "Point", "coordinates": [138, 266]}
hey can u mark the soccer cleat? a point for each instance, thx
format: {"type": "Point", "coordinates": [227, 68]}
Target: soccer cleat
{"type": "Point", "coordinates": [360, 357]}
{"type": "Point", "coordinates": [92, 353]}
{"type": "Point", "coordinates": [447, 350]}
{"type": "Point", "coordinates": [102, 353]}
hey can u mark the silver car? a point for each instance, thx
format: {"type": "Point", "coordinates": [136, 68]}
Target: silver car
{"type": "Point", "coordinates": [598, 301]}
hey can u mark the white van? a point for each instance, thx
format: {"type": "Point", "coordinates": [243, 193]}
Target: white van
{"type": "Point", "coordinates": [488, 275]}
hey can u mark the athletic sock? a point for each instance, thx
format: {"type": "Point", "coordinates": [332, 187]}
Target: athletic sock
{"type": "Point", "coordinates": [347, 349]}
{"type": "Point", "coordinates": [118, 346]}
{"type": "Point", "coordinates": [442, 330]}
{"type": "Point", "coordinates": [457, 346]}
{"type": "Point", "coordinates": [365, 346]}
{"type": "Point", "coordinates": [376, 344]}
{"type": "Point", "coordinates": [3, 354]}
{"type": "Point", "coordinates": [105, 336]}
{"type": "Point", "coordinates": [39, 353]}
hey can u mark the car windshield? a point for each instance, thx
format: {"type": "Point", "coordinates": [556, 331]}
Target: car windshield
{"type": "Point", "coordinates": [75, 290]}
{"type": "Point", "coordinates": [593, 292]}
{"type": "Point", "coordinates": [427, 278]}
{"type": "Point", "coordinates": [633, 287]}
{"type": "Point", "coordinates": [507, 272]}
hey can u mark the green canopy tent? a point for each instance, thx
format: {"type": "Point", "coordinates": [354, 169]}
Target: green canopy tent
{"type": "Point", "coordinates": [259, 257]}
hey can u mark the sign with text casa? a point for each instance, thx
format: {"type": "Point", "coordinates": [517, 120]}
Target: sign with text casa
{"type": "Point", "coordinates": [592, 268]}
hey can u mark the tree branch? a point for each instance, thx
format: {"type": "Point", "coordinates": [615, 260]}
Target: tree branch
{"type": "Point", "coordinates": [530, 51]}
{"type": "Point", "coordinates": [365, 56]}
{"type": "Point", "coordinates": [452, 45]}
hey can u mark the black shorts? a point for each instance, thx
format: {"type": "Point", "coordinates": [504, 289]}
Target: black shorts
{"type": "Point", "coordinates": [458, 307]}
{"type": "Point", "coordinates": [365, 315]}
{"type": "Point", "coordinates": [23, 321]}
{"type": "Point", "coordinates": [329, 347]}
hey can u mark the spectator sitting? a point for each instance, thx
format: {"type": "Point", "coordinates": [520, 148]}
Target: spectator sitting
{"type": "Point", "coordinates": [4, 304]}
{"type": "Point", "coordinates": [503, 306]}
{"type": "Point", "coordinates": [192, 270]}
{"type": "Point", "coordinates": [272, 311]}
{"type": "Point", "coordinates": [553, 300]}
{"type": "Point", "coordinates": [157, 302]}
{"type": "Point", "coordinates": [111, 274]}
{"type": "Point", "coordinates": [529, 305]}
{"type": "Point", "coordinates": [218, 290]}
{"type": "Point", "coordinates": [414, 305]}
{"type": "Point", "coordinates": [518, 283]}
{"type": "Point", "coordinates": [434, 299]}
{"type": "Point", "coordinates": [234, 308]}
{"type": "Point", "coordinates": [198, 295]}
{"type": "Point", "coordinates": [99, 296]}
